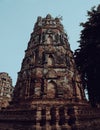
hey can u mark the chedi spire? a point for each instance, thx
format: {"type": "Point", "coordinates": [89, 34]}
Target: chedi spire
{"type": "Point", "coordinates": [48, 68]}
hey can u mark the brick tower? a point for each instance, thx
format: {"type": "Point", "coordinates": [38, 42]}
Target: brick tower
{"type": "Point", "coordinates": [6, 89]}
{"type": "Point", "coordinates": [48, 72]}
{"type": "Point", "coordinates": [48, 92]}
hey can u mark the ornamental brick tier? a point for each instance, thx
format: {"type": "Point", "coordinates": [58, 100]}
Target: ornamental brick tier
{"type": "Point", "coordinates": [48, 94]}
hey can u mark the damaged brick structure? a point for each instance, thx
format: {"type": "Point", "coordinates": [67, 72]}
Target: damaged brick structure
{"type": "Point", "coordinates": [48, 94]}
{"type": "Point", "coordinates": [6, 89]}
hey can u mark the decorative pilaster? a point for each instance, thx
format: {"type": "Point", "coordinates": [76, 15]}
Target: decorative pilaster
{"type": "Point", "coordinates": [38, 118]}
{"type": "Point", "coordinates": [66, 118]}
{"type": "Point", "coordinates": [57, 118]}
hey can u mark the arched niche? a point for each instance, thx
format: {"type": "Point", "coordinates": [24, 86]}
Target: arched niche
{"type": "Point", "coordinates": [51, 89]}
{"type": "Point", "coordinates": [49, 40]}
{"type": "Point", "coordinates": [37, 89]}
{"type": "Point", "coordinates": [50, 60]}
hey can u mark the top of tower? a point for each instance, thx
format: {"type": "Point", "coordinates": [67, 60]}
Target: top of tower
{"type": "Point", "coordinates": [48, 16]}
{"type": "Point", "coordinates": [5, 76]}
{"type": "Point", "coordinates": [49, 22]}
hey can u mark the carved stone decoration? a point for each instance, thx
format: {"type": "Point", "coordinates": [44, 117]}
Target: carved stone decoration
{"type": "Point", "coordinates": [48, 94]}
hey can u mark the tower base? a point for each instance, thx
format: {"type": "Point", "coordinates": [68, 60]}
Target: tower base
{"type": "Point", "coordinates": [50, 115]}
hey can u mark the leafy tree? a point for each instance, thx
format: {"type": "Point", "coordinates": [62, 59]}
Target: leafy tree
{"type": "Point", "coordinates": [87, 56]}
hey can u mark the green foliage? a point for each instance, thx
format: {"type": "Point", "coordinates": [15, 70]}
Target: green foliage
{"type": "Point", "coordinates": [87, 56]}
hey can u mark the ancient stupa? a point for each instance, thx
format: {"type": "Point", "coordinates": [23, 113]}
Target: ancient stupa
{"type": "Point", "coordinates": [48, 73]}
{"type": "Point", "coordinates": [49, 92]}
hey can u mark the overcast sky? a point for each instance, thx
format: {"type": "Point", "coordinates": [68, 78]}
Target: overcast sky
{"type": "Point", "coordinates": [17, 19]}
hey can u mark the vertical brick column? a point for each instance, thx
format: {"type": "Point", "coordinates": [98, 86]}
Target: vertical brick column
{"type": "Point", "coordinates": [66, 119]}
{"type": "Point", "coordinates": [38, 118]}
{"type": "Point", "coordinates": [48, 118]}
{"type": "Point", "coordinates": [57, 118]}
{"type": "Point", "coordinates": [43, 118]}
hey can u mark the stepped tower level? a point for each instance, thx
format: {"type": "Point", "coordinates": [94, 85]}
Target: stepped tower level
{"type": "Point", "coordinates": [48, 73]}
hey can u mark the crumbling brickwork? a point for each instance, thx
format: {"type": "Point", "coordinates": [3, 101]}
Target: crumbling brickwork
{"type": "Point", "coordinates": [6, 89]}
{"type": "Point", "coordinates": [48, 94]}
